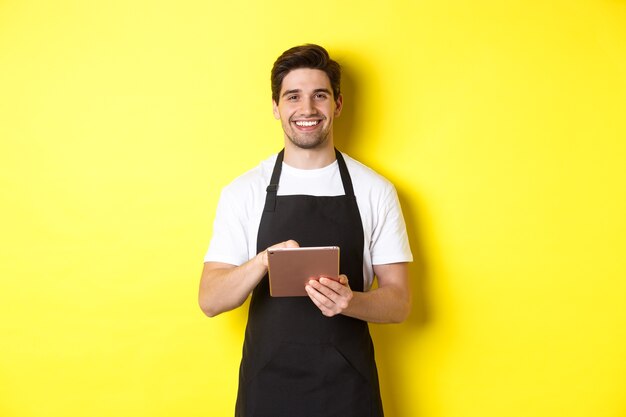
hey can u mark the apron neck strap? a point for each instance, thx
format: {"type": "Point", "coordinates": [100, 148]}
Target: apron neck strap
{"type": "Point", "coordinates": [272, 189]}
{"type": "Point", "coordinates": [345, 175]}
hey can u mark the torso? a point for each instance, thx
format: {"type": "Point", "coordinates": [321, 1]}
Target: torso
{"type": "Point", "coordinates": [297, 362]}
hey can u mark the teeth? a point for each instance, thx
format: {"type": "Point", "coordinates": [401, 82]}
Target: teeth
{"type": "Point", "coordinates": [307, 124]}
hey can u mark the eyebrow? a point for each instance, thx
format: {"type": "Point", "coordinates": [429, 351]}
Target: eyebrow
{"type": "Point", "coordinates": [317, 90]}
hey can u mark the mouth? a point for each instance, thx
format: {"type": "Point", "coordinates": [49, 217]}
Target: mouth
{"type": "Point", "coordinates": [307, 124]}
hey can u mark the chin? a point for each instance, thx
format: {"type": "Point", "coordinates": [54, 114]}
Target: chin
{"type": "Point", "coordinates": [310, 144]}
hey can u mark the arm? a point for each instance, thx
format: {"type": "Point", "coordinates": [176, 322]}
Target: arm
{"type": "Point", "coordinates": [224, 287]}
{"type": "Point", "coordinates": [389, 303]}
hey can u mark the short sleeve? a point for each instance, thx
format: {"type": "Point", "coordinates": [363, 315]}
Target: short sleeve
{"type": "Point", "coordinates": [229, 243]}
{"type": "Point", "coordinates": [390, 243]}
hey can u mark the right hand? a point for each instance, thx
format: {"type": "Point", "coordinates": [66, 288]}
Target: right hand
{"type": "Point", "coordinates": [286, 244]}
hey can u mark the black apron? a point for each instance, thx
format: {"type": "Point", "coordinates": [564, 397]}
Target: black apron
{"type": "Point", "coordinates": [296, 361]}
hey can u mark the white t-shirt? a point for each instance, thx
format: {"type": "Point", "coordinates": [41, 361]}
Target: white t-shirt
{"type": "Point", "coordinates": [242, 201]}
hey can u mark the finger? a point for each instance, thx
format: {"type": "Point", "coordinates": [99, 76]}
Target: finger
{"type": "Point", "coordinates": [321, 287]}
{"type": "Point", "coordinates": [343, 280]}
{"type": "Point", "coordinates": [335, 286]}
{"type": "Point", "coordinates": [332, 300]}
{"type": "Point", "coordinates": [328, 298]}
{"type": "Point", "coordinates": [319, 300]}
{"type": "Point", "coordinates": [286, 244]}
{"type": "Point", "coordinates": [291, 244]}
{"type": "Point", "coordinates": [339, 294]}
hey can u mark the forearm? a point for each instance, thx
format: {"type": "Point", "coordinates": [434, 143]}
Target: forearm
{"type": "Point", "coordinates": [389, 303]}
{"type": "Point", "coordinates": [382, 305]}
{"type": "Point", "coordinates": [224, 287]}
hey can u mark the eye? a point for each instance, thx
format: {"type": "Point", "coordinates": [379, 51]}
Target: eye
{"type": "Point", "coordinates": [321, 96]}
{"type": "Point", "coordinates": [292, 97]}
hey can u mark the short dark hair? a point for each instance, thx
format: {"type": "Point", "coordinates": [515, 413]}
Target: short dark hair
{"type": "Point", "coordinates": [305, 56]}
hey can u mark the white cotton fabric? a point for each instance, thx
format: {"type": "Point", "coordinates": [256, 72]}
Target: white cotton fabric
{"type": "Point", "coordinates": [242, 201]}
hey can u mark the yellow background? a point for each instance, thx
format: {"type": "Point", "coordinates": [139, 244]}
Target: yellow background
{"type": "Point", "coordinates": [501, 123]}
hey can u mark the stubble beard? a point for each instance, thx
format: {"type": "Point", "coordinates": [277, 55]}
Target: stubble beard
{"type": "Point", "coordinates": [311, 143]}
{"type": "Point", "coordinates": [307, 140]}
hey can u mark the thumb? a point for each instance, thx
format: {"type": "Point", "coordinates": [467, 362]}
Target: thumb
{"type": "Point", "coordinates": [343, 280]}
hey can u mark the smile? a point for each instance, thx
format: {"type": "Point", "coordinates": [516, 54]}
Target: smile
{"type": "Point", "coordinates": [306, 123]}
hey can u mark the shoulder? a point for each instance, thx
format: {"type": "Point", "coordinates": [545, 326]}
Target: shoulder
{"type": "Point", "coordinates": [366, 180]}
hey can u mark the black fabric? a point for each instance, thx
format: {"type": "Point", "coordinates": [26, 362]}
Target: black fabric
{"type": "Point", "coordinates": [297, 362]}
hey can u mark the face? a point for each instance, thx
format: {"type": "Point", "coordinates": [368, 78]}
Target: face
{"type": "Point", "coordinates": [306, 108]}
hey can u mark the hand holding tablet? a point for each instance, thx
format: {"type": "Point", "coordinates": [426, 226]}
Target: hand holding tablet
{"type": "Point", "coordinates": [290, 269]}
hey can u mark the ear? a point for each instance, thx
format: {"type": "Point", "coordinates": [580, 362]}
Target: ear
{"type": "Point", "coordinates": [275, 110]}
{"type": "Point", "coordinates": [338, 105]}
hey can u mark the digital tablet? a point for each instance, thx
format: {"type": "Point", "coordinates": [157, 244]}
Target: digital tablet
{"type": "Point", "coordinates": [290, 269]}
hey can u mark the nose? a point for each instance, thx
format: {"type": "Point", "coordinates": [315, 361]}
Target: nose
{"type": "Point", "coordinates": [308, 107]}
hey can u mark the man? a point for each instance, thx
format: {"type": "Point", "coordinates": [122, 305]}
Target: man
{"type": "Point", "coordinates": [309, 356]}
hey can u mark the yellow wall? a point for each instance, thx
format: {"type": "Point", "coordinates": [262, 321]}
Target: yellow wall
{"type": "Point", "coordinates": [501, 123]}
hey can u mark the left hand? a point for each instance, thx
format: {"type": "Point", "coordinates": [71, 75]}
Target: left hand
{"type": "Point", "coordinates": [330, 296]}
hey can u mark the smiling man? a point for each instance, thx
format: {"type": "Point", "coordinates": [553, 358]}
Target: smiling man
{"type": "Point", "coordinates": [311, 355]}
{"type": "Point", "coordinates": [307, 108]}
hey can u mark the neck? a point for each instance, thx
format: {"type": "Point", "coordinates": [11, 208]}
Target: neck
{"type": "Point", "coordinates": [315, 158]}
